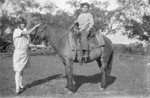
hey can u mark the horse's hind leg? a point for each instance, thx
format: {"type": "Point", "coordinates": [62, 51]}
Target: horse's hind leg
{"type": "Point", "coordinates": [109, 67]}
{"type": "Point", "coordinates": [69, 75]}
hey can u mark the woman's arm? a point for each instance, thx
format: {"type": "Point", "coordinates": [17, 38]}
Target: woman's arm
{"type": "Point", "coordinates": [30, 31]}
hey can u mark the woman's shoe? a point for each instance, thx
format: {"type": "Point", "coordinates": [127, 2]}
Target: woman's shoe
{"type": "Point", "coordinates": [17, 91]}
{"type": "Point", "coordinates": [21, 88]}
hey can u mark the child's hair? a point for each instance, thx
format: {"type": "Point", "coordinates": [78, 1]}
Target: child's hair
{"type": "Point", "coordinates": [83, 4]}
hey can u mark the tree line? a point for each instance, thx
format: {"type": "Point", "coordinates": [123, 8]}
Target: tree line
{"type": "Point", "coordinates": [131, 18]}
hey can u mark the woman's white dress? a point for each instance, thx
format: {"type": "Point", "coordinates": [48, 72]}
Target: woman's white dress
{"type": "Point", "coordinates": [21, 55]}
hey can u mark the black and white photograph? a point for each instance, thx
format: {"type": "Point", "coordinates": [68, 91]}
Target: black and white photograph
{"type": "Point", "coordinates": [74, 48]}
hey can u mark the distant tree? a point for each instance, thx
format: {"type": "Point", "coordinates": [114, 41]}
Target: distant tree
{"type": "Point", "coordinates": [137, 18]}
{"type": "Point", "coordinates": [3, 5]}
{"type": "Point", "coordinates": [64, 18]}
{"type": "Point", "coordinates": [2, 1]}
{"type": "Point", "coordinates": [24, 5]}
{"type": "Point", "coordinates": [106, 21]}
{"type": "Point", "coordinates": [74, 4]}
{"type": "Point", "coordinates": [48, 7]}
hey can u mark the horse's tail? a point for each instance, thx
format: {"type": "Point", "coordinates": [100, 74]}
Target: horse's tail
{"type": "Point", "coordinates": [109, 67]}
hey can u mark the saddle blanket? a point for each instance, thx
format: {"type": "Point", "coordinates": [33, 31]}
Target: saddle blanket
{"type": "Point", "coordinates": [94, 42]}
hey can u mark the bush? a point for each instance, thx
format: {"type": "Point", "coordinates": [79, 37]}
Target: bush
{"type": "Point", "coordinates": [120, 48]}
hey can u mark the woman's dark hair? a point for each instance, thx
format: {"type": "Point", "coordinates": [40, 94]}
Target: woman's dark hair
{"type": "Point", "coordinates": [21, 20]}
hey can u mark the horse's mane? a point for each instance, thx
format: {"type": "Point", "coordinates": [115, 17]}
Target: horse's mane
{"type": "Point", "coordinates": [54, 25]}
{"type": "Point", "coordinates": [39, 35]}
{"type": "Point", "coordinates": [59, 30]}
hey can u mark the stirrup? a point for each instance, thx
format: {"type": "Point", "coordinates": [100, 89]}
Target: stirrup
{"type": "Point", "coordinates": [85, 58]}
{"type": "Point", "coordinates": [81, 61]}
{"type": "Point", "coordinates": [85, 54]}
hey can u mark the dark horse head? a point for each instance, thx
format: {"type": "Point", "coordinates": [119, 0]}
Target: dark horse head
{"type": "Point", "coordinates": [50, 33]}
{"type": "Point", "coordinates": [39, 35]}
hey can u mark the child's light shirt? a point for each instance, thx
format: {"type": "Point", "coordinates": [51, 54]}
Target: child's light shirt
{"type": "Point", "coordinates": [85, 20]}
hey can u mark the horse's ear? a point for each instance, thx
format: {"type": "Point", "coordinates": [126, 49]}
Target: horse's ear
{"type": "Point", "coordinates": [77, 24]}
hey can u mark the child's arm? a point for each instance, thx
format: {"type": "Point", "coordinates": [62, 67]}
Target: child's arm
{"type": "Point", "coordinates": [91, 20]}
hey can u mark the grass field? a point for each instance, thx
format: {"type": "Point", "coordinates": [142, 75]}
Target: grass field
{"type": "Point", "coordinates": [46, 78]}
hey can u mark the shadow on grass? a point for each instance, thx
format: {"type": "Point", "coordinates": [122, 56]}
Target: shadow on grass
{"type": "Point", "coordinates": [79, 80]}
{"type": "Point", "coordinates": [96, 78]}
{"type": "Point", "coordinates": [41, 81]}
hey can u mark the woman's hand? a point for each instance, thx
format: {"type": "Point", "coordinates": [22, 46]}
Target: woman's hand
{"type": "Point", "coordinates": [80, 30]}
{"type": "Point", "coordinates": [37, 25]}
{"type": "Point", "coordinates": [31, 30]}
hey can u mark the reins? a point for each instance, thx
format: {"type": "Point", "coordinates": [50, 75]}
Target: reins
{"type": "Point", "coordinates": [59, 40]}
{"type": "Point", "coordinates": [53, 44]}
{"type": "Point", "coordinates": [63, 35]}
{"type": "Point", "coordinates": [36, 31]}
{"type": "Point", "coordinates": [66, 34]}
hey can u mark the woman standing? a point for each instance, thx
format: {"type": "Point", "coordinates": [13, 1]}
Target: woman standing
{"type": "Point", "coordinates": [21, 57]}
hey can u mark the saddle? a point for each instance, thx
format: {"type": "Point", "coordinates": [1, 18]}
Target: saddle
{"type": "Point", "coordinates": [95, 40]}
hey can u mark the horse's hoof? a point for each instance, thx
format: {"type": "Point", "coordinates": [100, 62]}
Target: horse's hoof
{"type": "Point", "coordinates": [68, 91]}
{"type": "Point", "coordinates": [72, 89]}
{"type": "Point", "coordinates": [101, 88]}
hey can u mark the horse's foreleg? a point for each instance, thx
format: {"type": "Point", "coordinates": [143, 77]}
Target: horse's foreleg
{"type": "Point", "coordinates": [104, 73]}
{"type": "Point", "coordinates": [69, 75]}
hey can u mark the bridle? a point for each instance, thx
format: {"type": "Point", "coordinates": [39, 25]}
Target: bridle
{"type": "Point", "coordinates": [34, 36]}
{"type": "Point", "coordinates": [53, 44]}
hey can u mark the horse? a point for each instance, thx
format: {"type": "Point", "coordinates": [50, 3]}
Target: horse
{"type": "Point", "coordinates": [58, 38]}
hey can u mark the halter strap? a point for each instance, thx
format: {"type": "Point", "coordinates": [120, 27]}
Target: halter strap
{"type": "Point", "coordinates": [60, 38]}
{"type": "Point", "coordinates": [36, 31]}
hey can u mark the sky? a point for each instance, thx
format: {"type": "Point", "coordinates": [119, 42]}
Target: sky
{"type": "Point", "coordinates": [117, 38]}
